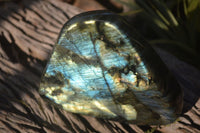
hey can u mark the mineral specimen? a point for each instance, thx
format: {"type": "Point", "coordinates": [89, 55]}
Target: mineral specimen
{"type": "Point", "coordinates": [103, 68]}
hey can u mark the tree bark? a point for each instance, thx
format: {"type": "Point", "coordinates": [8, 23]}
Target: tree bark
{"type": "Point", "coordinates": [28, 32]}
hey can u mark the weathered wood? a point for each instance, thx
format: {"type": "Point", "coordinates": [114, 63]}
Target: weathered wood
{"type": "Point", "coordinates": [27, 35]}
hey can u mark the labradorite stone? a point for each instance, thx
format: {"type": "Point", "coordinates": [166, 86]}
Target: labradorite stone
{"type": "Point", "coordinates": [102, 68]}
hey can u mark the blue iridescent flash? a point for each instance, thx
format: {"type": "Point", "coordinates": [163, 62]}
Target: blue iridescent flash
{"type": "Point", "coordinates": [98, 69]}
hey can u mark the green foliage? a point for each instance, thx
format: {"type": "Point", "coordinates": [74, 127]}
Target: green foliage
{"type": "Point", "coordinates": [174, 24]}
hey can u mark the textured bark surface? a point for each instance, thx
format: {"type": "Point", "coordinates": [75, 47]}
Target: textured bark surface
{"type": "Point", "coordinates": [28, 33]}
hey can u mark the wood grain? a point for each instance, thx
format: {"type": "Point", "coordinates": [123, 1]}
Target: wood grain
{"type": "Point", "coordinates": [28, 32]}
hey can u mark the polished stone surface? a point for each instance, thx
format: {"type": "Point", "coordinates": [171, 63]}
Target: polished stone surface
{"type": "Point", "coordinates": [100, 68]}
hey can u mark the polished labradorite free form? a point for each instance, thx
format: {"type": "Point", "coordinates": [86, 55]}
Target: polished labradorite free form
{"type": "Point", "coordinates": [99, 68]}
